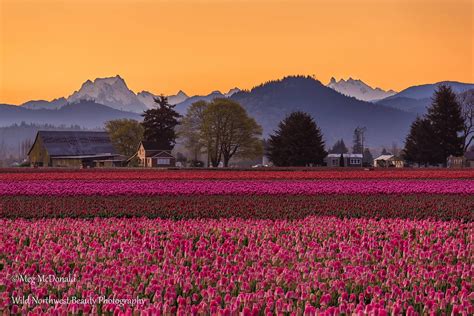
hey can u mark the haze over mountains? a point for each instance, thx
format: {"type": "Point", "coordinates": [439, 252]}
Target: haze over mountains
{"type": "Point", "coordinates": [338, 114]}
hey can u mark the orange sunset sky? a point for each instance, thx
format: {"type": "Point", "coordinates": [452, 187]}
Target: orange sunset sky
{"type": "Point", "coordinates": [48, 48]}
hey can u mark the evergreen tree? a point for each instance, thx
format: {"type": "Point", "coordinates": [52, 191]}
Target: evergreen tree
{"type": "Point", "coordinates": [159, 124]}
{"type": "Point", "coordinates": [297, 142]}
{"type": "Point", "coordinates": [385, 152]}
{"type": "Point", "coordinates": [341, 161]}
{"type": "Point", "coordinates": [447, 125]}
{"type": "Point", "coordinates": [419, 146]}
{"type": "Point", "coordinates": [367, 159]}
{"type": "Point", "coordinates": [339, 148]}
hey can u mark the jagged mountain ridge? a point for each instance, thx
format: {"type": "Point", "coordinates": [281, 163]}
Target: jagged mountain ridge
{"type": "Point", "coordinates": [358, 89]}
{"type": "Point", "coordinates": [114, 92]}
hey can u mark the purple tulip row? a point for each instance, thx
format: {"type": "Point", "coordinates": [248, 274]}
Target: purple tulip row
{"type": "Point", "coordinates": [313, 266]}
{"type": "Point", "coordinates": [242, 187]}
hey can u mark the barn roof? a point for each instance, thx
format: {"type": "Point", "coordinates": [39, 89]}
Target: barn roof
{"type": "Point", "coordinates": [75, 143]}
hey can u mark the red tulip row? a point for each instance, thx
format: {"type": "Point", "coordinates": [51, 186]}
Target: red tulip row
{"type": "Point", "coordinates": [413, 206]}
{"type": "Point", "coordinates": [234, 187]}
{"type": "Point", "coordinates": [142, 174]}
{"type": "Point", "coordinates": [312, 266]}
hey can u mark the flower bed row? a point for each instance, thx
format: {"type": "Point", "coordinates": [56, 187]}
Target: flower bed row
{"type": "Point", "coordinates": [413, 206]}
{"type": "Point", "coordinates": [243, 187]}
{"type": "Point", "coordinates": [146, 174]}
{"type": "Point", "coordinates": [318, 265]}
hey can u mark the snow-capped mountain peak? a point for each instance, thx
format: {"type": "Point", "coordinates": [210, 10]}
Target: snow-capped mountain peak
{"type": "Point", "coordinates": [358, 89]}
{"type": "Point", "coordinates": [110, 91]}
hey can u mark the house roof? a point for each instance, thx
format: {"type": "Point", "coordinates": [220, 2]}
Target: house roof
{"type": "Point", "coordinates": [163, 153]}
{"type": "Point", "coordinates": [345, 155]}
{"type": "Point", "coordinates": [75, 143]}
{"type": "Point", "coordinates": [151, 145]}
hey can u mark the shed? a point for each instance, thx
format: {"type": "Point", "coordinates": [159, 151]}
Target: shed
{"type": "Point", "coordinates": [387, 161]}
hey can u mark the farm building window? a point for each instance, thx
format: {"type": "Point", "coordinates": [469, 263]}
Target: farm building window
{"type": "Point", "coordinates": [163, 161]}
{"type": "Point", "coordinates": [355, 161]}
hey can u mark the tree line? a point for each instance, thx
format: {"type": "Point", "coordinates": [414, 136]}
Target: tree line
{"type": "Point", "coordinates": [222, 130]}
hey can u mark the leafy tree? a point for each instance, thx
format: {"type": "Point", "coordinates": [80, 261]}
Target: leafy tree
{"type": "Point", "coordinates": [419, 146]}
{"type": "Point", "coordinates": [159, 124]}
{"type": "Point", "coordinates": [466, 99]}
{"type": "Point", "coordinates": [297, 142]}
{"type": "Point", "coordinates": [228, 131]}
{"type": "Point", "coordinates": [359, 138]}
{"type": "Point", "coordinates": [339, 148]}
{"type": "Point", "coordinates": [190, 128]}
{"type": "Point", "coordinates": [125, 135]}
{"type": "Point", "coordinates": [180, 157]}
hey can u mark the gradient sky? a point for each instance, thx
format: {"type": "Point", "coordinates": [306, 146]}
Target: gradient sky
{"type": "Point", "coordinates": [48, 48]}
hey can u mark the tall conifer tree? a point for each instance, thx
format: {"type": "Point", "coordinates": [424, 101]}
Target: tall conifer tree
{"type": "Point", "coordinates": [159, 124]}
{"type": "Point", "coordinates": [297, 142]}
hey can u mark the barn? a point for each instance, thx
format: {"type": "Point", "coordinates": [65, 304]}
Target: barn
{"type": "Point", "coordinates": [77, 149]}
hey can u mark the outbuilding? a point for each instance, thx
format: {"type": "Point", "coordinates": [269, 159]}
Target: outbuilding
{"type": "Point", "coordinates": [387, 161]}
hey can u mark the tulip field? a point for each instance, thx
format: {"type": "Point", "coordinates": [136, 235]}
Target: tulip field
{"type": "Point", "coordinates": [239, 242]}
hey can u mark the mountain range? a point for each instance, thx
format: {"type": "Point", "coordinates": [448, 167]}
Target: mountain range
{"type": "Point", "coordinates": [416, 99]}
{"type": "Point", "coordinates": [87, 114]}
{"type": "Point", "coordinates": [338, 114]}
{"type": "Point", "coordinates": [114, 92]}
{"type": "Point", "coordinates": [358, 89]}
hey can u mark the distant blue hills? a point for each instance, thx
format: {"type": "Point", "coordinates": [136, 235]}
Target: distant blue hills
{"type": "Point", "coordinates": [416, 99]}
